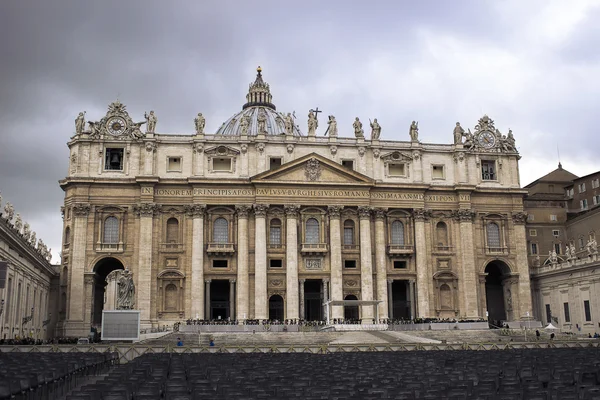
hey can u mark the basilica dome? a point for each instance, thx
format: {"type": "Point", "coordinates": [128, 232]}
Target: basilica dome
{"type": "Point", "coordinates": [258, 103]}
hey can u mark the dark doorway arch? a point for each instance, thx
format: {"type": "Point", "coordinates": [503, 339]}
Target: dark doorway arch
{"type": "Point", "coordinates": [276, 307]}
{"type": "Point", "coordinates": [351, 312]}
{"type": "Point", "coordinates": [497, 271]}
{"type": "Point", "coordinates": [102, 268]}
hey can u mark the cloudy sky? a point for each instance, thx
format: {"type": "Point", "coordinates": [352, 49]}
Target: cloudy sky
{"type": "Point", "coordinates": [532, 66]}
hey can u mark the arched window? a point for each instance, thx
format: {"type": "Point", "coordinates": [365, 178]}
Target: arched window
{"type": "Point", "coordinates": [493, 235]}
{"type": "Point", "coordinates": [348, 232]}
{"type": "Point", "coordinates": [67, 235]}
{"type": "Point", "coordinates": [221, 231]}
{"type": "Point", "coordinates": [441, 233]}
{"type": "Point", "coordinates": [445, 297]}
{"type": "Point", "coordinates": [312, 231]}
{"type": "Point", "coordinates": [275, 231]}
{"type": "Point", "coordinates": [171, 297]}
{"type": "Point", "coordinates": [397, 232]}
{"type": "Point", "coordinates": [172, 230]}
{"type": "Point", "coordinates": [111, 230]}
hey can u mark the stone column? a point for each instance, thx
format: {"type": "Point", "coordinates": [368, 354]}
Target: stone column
{"type": "Point", "coordinates": [335, 246]}
{"type": "Point", "coordinates": [232, 299]}
{"type": "Point", "coordinates": [390, 299]}
{"type": "Point", "coordinates": [207, 300]}
{"type": "Point", "coordinates": [77, 265]}
{"type": "Point", "coordinates": [146, 212]}
{"type": "Point", "coordinates": [302, 313]}
{"type": "Point", "coordinates": [366, 267]}
{"type": "Point", "coordinates": [413, 299]}
{"type": "Point", "coordinates": [524, 292]}
{"type": "Point", "coordinates": [325, 297]}
{"type": "Point", "coordinates": [110, 293]}
{"type": "Point", "coordinates": [423, 276]}
{"type": "Point", "coordinates": [196, 211]}
{"type": "Point", "coordinates": [482, 295]}
{"type": "Point", "coordinates": [242, 263]}
{"type": "Point", "coordinates": [261, 308]}
{"type": "Point", "coordinates": [469, 277]}
{"type": "Point", "coordinates": [380, 264]}
{"type": "Point", "coordinates": [291, 254]}
{"type": "Point", "coordinates": [90, 291]}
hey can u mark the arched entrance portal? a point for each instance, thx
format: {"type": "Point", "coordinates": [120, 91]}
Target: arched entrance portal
{"type": "Point", "coordinates": [497, 273]}
{"type": "Point", "coordinates": [276, 307]}
{"type": "Point", "coordinates": [351, 312]}
{"type": "Point", "coordinates": [102, 269]}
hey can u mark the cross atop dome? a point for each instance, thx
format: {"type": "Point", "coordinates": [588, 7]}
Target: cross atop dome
{"type": "Point", "coordinates": [259, 93]}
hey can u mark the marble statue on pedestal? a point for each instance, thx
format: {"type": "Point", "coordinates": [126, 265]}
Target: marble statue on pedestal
{"type": "Point", "coordinates": [18, 223]}
{"type": "Point", "coordinates": [262, 122]}
{"type": "Point", "coordinates": [375, 130]}
{"type": "Point", "coordinates": [244, 124]}
{"type": "Point", "coordinates": [573, 251]}
{"type": "Point", "coordinates": [9, 211]}
{"type": "Point", "coordinates": [414, 131]}
{"type": "Point", "coordinates": [26, 231]}
{"type": "Point", "coordinates": [332, 128]}
{"type": "Point", "coordinates": [313, 123]}
{"type": "Point", "coordinates": [126, 291]}
{"type": "Point", "coordinates": [151, 121]}
{"type": "Point", "coordinates": [289, 124]}
{"type": "Point", "coordinates": [358, 130]}
{"type": "Point", "coordinates": [592, 246]}
{"type": "Point", "coordinates": [32, 239]}
{"type": "Point", "coordinates": [459, 132]}
{"type": "Point", "coordinates": [80, 123]}
{"type": "Point", "coordinates": [199, 122]}
{"type": "Point", "coordinates": [568, 252]}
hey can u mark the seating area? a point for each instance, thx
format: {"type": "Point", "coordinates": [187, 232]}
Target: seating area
{"type": "Point", "coordinates": [533, 374]}
{"type": "Point", "coordinates": [48, 375]}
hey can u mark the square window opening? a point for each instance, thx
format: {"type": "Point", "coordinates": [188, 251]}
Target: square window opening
{"type": "Point", "coordinates": [437, 172]}
{"type": "Point", "coordinates": [174, 164]}
{"type": "Point", "coordinates": [556, 233]}
{"type": "Point", "coordinates": [488, 170]}
{"type": "Point", "coordinates": [348, 164]}
{"type": "Point", "coordinates": [397, 169]}
{"type": "Point", "coordinates": [399, 264]}
{"type": "Point", "coordinates": [349, 263]}
{"type": "Point", "coordinates": [552, 217]}
{"type": "Point", "coordinates": [275, 263]}
{"type": "Point", "coordinates": [114, 160]}
{"type": "Point", "coordinates": [275, 162]}
{"type": "Point", "coordinates": [222, 164]}
{"type": "Point", "coordinates": [219, 263]}
{"type": "Point", "coordinates": [532, 232]}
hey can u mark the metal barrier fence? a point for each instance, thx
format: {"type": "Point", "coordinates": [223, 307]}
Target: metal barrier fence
{"type": "Point", "coordinates": [128, 352]}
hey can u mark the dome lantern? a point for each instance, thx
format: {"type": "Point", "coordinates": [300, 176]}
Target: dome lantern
{"type": "Point", "coordinates": [259, 93]}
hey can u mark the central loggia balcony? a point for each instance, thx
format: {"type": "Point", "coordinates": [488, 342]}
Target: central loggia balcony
{"type": "Point", "coordinates": [220, 248]}
{"type": "Point", "coordinates": [314, 248]}
{"type": "Point", "coordinates": [400, 249]}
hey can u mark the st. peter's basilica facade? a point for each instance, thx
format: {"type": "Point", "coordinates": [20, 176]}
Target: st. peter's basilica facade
{"type": "Point", "coordinates": [261, 221]}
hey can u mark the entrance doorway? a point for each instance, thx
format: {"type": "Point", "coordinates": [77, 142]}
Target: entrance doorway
{"type": "Point", "coordinates": [219, 300]}
{"type": "Point", "coordinates": [497, 271]}
{"type": "Point", "coordinates": [400, 300]}
{"type": "Point", "coordinates": [276, 308]}
{"type": "Point", "coordinates": [313, 300]}
{"type": "Point", "coordinates": [102, 269]}
{"type": "Point", "coordinates": [351, 312]}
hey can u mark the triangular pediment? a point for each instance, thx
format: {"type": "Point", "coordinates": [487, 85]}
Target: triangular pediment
{"type": "Point", "coordinates": [313, 169]}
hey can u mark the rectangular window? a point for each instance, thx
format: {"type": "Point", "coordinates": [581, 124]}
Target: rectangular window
{"type": "Point", "coordinates": [275, 235]}
{"type": "Point", "coordinates": [221, 164]}
{"type": "Point", "coordinates": [348, 164]}
{"type": "Point", "coordinates": [586, 309]}
{"type": "Point", "coordinates": [113, 160]}
{"type": "Point", "coordinates": [275, 162]}
{"type": "Point", "coordinates": [557, 248]}
{"type": "Point", "coordinates": [581, 187]}
{"type": "Point", "coordinates": [532, 232]}
{"type": "Point", "coordinates": [275, 263]}
{"type": "Point", "coordinates": [584, 204]}
{"type": "Point", "coordinates": [567, 313]}
{"type": "Point", "coordinates": [219, 263]}
{"type": "Point", "coordinates": [348, 236]}
{"type": "Point", "coordinates": [488, 170]}
{"type": "Point", "coordinates": [399, 264]}
{"type": "Point", "coordinates": [552, 217]}
{"type": "Point", "coordinates": [349, 263]}
{"type": "Point", "coordinates": [548, 314]}
{"type": "Point", "coordinates": [174, 164]}
{"type": "Point", "coordinates": [397, 169]}
{"type": "Point", "coordinates": [534, 248]}
{"type": "Point", "coordinates": [596, 199]}
{"type": "Point", "coordinates": [556, 232]}
{"type": "Point", "coordinates": [437, 172]}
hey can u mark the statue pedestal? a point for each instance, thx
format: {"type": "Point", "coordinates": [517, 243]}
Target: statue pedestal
{"type": "Point", "coordinates": [111, 291]}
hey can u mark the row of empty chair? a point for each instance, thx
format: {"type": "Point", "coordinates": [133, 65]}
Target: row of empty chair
{"type": "Point", "coordinates": [534, 374]}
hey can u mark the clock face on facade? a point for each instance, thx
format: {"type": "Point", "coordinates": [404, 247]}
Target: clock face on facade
{"type": "Point", "coordinates": [116, 126]}
{"type": "Point", "coordinates": [487, 139]}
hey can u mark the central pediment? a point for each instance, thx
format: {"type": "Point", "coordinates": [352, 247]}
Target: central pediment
{"type": "Point", "coordinates": [312, 169]}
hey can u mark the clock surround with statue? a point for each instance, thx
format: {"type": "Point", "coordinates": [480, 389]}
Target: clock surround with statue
{"type": "Point", "coordinates": [487, 138]}
{"type": "Point", "coordinates": [116, 124]}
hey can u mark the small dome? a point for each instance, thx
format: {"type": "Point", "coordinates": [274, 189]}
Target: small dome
{"type": "Point", "coordinates": [258, 101]}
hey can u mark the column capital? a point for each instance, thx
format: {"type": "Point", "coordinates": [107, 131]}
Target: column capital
{"type": "Point", "coordinates": [364, 212]}
{"type": "Point", "coordinates": [146, 209]}
{"type": "Point", "coordinates": [519, 218]}
{"type": "Point", "coordinates": [81, 209]}
{"type": "Point", "coordinates": [334, 211]}
{"type": "Point", "coordinates": [302, 281]}
{"type": "Point", "coordinates": [325, 280]}
{"type": "Point", "coordinates": [242, 210]}
{"type": "Point", "coordinates": [390, 281]}
{"type": "Point", "coordinates": [260, 210]}
{"type": "Point", "coordinates": [421, 214]}
{"type": "Point", "coordinates": [207, 280]}
{"type": "Point", "coordinates": [464, 215]}
{"type": "Point", "coordinates": [291, 210]}
{"type": "Point", "coordinates": [195, 210]}
{"type": "Point", "coordinates": [380, 213]}
{"type": "Point", "coordinates": [230, 281]}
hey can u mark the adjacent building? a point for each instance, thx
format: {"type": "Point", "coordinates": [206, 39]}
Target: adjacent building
{"type": "Point", "coordinates": [261, 221]}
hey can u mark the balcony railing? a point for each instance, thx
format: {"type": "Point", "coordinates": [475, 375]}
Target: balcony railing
{"type": "Point", "coordinates": [496, 250]}
{"type": "Point", "coordinates": [400, 249]}
{"type": "Point", "coordinates": [314, 248]}
{"type": "Point", "coordinates": [443, 249]}
{"type": "Point", "coordinates": [171, 247]}
{"type": "Point", "coordinates": [276, 247]}
{"type": "Point", "coordinates": [220, 248]}
{"type": "Point", "coordinates": [351, 247]}
{"type": "Point", "coordinates": [110, 247]}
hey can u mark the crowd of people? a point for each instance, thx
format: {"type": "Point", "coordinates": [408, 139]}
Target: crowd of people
{"type": "Point", "coordinates": [335, 321]}
{"type": "Point", "coordinates": [27, 341]}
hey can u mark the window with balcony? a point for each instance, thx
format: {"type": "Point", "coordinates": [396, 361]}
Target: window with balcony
{"type": "Point", "coordinates": [221, 231]}
{"type": "Point", "coordinates": [397, 233]}
{"type": "Point", "coordinates": [312, 231]}
{"type": "Point", "coordinates": [488, 170]}
{"type": "Point", "coordinates": [348, 232]}
{"type": "Point", "coordinates": [111, 231]}
{"type": "Point", "coordinates": [441, 236]}
{"type": "Point", "coordinates": [275, 232]}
